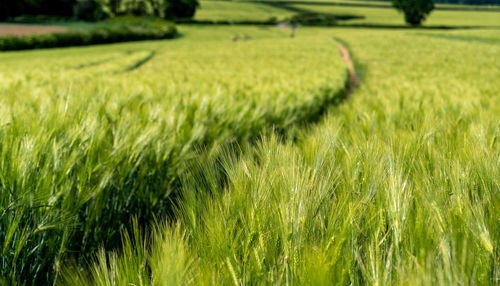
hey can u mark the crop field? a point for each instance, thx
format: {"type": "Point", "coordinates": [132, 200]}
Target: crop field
{"type": "Point", "coordinates": [239, 155]}
{"type": "Point", "coordinates": [103, 133]}
{"type": "Point", "coordinates": [234, 11]}
{"type": "Point", "coordinates": [398, 185]}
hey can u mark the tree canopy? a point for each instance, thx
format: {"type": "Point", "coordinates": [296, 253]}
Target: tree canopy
{"type": "Point", "coordinates": [98, 9]}
{"type": "Point", "coordinates": [415, 10]}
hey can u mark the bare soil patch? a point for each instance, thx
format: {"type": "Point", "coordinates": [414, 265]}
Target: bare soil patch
{"type": "Point", "coordinates": [353, 78]}
{"type": "Point", "coordinates": [22, 29]}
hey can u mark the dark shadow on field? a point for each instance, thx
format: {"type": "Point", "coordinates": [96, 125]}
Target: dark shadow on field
{"type": "Point", "coordinates": [271, 22]}
{"type": "Point", "coordinates": [288, 6]}
{"type": "Point", "coordinates": [322, 19]}
{"type": "Point", "coordinates": [139, 63]}
{"type": "Point", "coordinates": [100, 62]}
{"type": "Point", "coordinates": [96, 63]}
{"type": "Point", "coordinates": [491, 41]}
{"type": "Point", "coordinates": [129, 68]}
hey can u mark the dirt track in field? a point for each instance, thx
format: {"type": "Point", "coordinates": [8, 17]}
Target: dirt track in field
{"type": "Point", "coordinates": [353, 78]}
{"type": "Point", "coordinates": [20, 29]}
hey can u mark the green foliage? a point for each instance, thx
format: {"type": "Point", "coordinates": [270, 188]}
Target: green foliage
{"type": "Point", "coordinates": [313, 19]}
{"type": "Point", "coordinates": [180, 8]}
{"type": "Point", "coordinates": [9, 8]}
{"type": "Point", "coordinates": [103, 134]}
{"type": "Point", "coordinates": [92, 10]}
{"type": "Point", "coordinates": [136, 31]}
{"type": "Point", "coordinates": [176, 268]}
{"type": "Point", "coordinates": [396, 186]}
{"type": "Point", "coordinates": [169, 9]}
{"type": "Point", "coordinates": [319, 19]}
{"type": "Point", "coordinates": [138, 7]}
{"type": "Point", "coordinates": [134, 21]}
{"type": "Point", "coordinates": [415, 10]}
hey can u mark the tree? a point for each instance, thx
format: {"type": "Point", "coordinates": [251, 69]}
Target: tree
{"type": "Point", "coordinates": [415, 10]}
{"type": "Point", "coordinates": [157, 7]}
{"type": "Point", "coordinates": [92, 10]}
{"type": "Point", "coordinates": [114, 6]}
{"type": "Point", "coordinates": [178, 9]}
{"type": "Point", "coordinates": [95, 10]}
{"type": "Point", "coordinates": [8, 9]}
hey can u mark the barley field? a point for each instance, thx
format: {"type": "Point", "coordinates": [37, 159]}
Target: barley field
{"type": "Point", "coordinates": [397, 185]}
{"type": "Point", "coordinates": [239, 155]}
{"type": "Point", "coordinates": [94, 136]}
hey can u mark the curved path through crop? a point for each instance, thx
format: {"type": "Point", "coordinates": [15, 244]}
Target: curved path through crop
{"type": "Point", "coordinates": [353, 78]}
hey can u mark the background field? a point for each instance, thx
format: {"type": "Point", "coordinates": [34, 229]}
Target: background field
{"type": "Point", "coordinates": [234, 11]}
{"type": "Point", "coordinates": [374, 13]}
{"type": "Point", "coordinates": [235, 155]}
{"type": "Point", "coordinates": [389, 16]}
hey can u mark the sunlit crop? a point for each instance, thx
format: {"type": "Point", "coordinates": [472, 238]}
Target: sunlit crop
{"type": "Point", "coordinates": [238, 155]}
{"type": "Point", "coordinates": [91, 137]}
{"type": "Point", "coordinates": [398, 185]}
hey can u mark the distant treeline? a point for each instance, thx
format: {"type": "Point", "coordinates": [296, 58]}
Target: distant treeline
{"type": "Point", "coordinates": [9, 8]}
{"type": "Point", "coordinates": [98, 9]}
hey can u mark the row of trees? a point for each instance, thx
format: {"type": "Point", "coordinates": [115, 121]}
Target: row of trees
{"type": "Point", "coordinates": [98, 9]}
